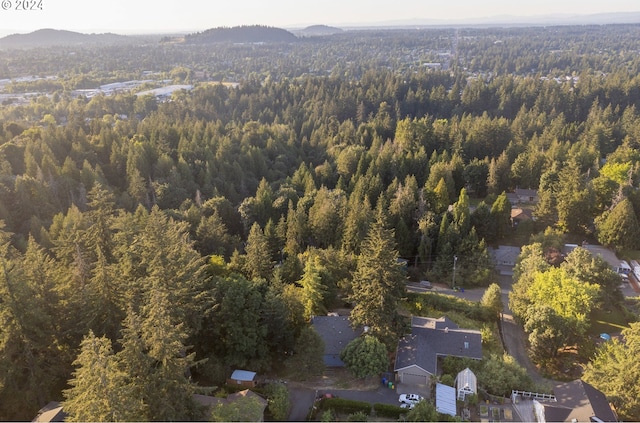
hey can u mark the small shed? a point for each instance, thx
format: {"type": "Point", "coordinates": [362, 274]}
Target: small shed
{"type": "Point", "coordinates": [446, 399]}
{"type": "Point", "coordinates": [242, 378]}
{"type": "Point", "coordinates": [467, 384]}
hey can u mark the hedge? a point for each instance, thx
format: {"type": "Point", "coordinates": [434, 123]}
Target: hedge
{"type": "Point", "coordinates": [345, 406]}
{"type": "Point", "coordinates": [387, 410]}
{"type": "Point", "coordinates": [441, 302]}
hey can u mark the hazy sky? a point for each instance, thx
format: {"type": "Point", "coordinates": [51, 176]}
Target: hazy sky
{"type": "Point", "coordinates": [135, 16]}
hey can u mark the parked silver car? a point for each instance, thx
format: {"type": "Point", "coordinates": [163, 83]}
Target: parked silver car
{"type": "Point", "coordinates": [410, 398]}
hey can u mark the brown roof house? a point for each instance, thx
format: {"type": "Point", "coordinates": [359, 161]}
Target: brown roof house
{"type": "Point", "coordinates": [519, 215]}
{"type": "Point", "coordinates": [417, 354]}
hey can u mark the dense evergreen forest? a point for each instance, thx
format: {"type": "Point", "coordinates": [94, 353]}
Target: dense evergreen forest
{"type": "Point", "coordinates": [203, 231]}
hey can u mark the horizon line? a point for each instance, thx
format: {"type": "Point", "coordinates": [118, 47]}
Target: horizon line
{"type": "Point", "coordinates": [494, 20]}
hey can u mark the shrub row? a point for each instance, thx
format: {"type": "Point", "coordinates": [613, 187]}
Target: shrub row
{"type": "Point", "coordinates": [345, 406]}
{"type": "Point", "coordinates": [439, 302]}
{"type": "Point", "coordinates": [386, 410]}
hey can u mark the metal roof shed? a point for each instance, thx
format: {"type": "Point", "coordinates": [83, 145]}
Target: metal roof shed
{"type": "Point", "coordinates": [467, 383]}
{"type": "Point", "coordinates": [242, 378]}
{"type": "Point", "coordinates": [445, 399]}
{"type": "Point", "coordinates": [243, 375]}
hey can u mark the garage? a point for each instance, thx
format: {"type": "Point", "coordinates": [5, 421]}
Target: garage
{"type": "Point", "coordinates": [413, 376]}
{"type": "Point", "coordinates": [411, 379]}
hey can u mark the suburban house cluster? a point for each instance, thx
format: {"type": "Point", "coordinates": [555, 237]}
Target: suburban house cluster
{"type": "Point", "coordinates": [518, 199]}
{"type": "Point", "coordinates": [430, 339]}
{"type": "Point", "coordinates": [416, 369]}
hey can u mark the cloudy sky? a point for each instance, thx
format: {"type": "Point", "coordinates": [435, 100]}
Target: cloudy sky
{"type": "Point", "coordinates": [139, 16]}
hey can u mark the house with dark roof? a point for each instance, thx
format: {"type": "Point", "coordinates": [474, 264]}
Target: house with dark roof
{"type": "Point", "coordinates": [336, 332]}
{"type": "Point", "coordinates": [617, 265]}
{"type": "Point", "coordinates": [417, 354]}
{"type": "Point", "coordinates": [505, 255]}
{"type": "Point", "coordinates": [526, 195]}
{"type": "Point", "coordinates": [577, 401]}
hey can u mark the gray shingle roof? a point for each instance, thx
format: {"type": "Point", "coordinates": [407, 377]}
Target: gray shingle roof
{"type": "Point", "coordinates": [415, 350]}
{"type": "Point", "coordinates": [336, 332]}
{"type": "Point", "coordinates": [526, 192]}
{"type": "Point", "coordinates": [555, 413]}
{"type": "Point", "coordinates": [431, 338]}
{"type": "Point", "coordinates": [584, 401]}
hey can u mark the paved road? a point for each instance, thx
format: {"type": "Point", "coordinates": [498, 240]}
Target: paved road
{"type": "Point", "coordinates": [301, 402]}
{"type": "Point", "coordinates": [381, 395]}
{"type": "Point", "coordinates": [302, 399]}
{"type": "Point", "coordinates": [514, 336]}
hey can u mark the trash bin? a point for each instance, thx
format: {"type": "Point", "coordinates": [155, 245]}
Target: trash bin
{"type": "Point", "coordinates": [384, 381]}
{"type": "Point", "coordinates": [461, 289]}
{"type": "Point", "coordinates": [389, 385]}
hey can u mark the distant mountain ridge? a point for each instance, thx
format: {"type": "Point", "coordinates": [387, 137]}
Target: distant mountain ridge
{"type": "Point", "coordinates": [54, 37]}
{"type": "Point", "coordinates": [258, 33]}
{"type": "Point", "coordinates": [318, 31]}
{"type": "Point", "coordinates": [512, 20]}
{"type": "Point", "coordinates": [242, 34]}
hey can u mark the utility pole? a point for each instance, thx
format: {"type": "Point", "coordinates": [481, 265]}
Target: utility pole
{"type": "Point", "coordinates": [455, 259]}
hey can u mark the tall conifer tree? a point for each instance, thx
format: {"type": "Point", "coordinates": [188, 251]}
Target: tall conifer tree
{"type": "Point", "coordinates": [378, 282]}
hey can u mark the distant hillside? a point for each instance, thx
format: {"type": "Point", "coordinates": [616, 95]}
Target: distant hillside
{"type": "Point", "coordinates": [515, 21]}
{"type": "Point", "coordinates": [318, 30]}
{"type": "Point", "coordinates": [242, 34]}
{"type": "Point", "coordinates": [55, 37]}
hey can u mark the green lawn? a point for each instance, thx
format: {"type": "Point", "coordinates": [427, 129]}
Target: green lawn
{"type": "Point", "coordinates": [630, 254]}
{"type": "Point", "coordinates": [607, 321]}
